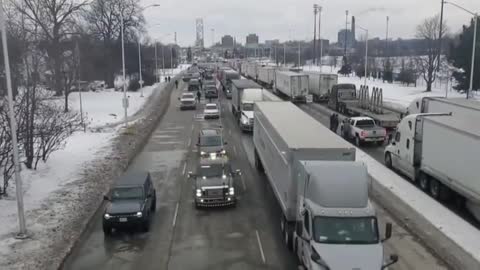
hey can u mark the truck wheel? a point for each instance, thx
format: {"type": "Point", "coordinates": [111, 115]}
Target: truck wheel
{"type": "Point", "coordinates": [107, 230]}
{"type": "Point", "coordinates": [388, 160]}
{"type": "Point", "coordinates": [438, 190]}
{"type": "Point", "coordinates": [154, 203]}
{"type": "Point", "coordinates": [357, 141]}
{"type": "Point", "coordinates": [424, 181]}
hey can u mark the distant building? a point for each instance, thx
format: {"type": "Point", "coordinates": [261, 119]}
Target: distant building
{"type": "Point", "coordinates": [252, 40]}
{"type": "Point", "coordinates": [270, 43]}
{"type": "Point", "coordinates": [227, 41]}
{"type": "Point", "coordinates": [349, 38]}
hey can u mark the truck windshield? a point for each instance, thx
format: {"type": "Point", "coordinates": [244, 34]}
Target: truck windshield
{"type": "Point", "coordinates": [248, 107]}
{"type": "Point", "coordinates": [211, 141]}
{"type": "Point", "coordinates": [365, 123]}
{"type": "Point", "coordinates": [213, 170]}
{"type": "Point", "coordinates": [127, 193]}
{"type": "Point", "coordinates": [345, 230]}
{"type": "Point", "coordinates": [346, 94]}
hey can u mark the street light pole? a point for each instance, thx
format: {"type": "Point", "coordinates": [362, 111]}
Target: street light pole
{"type": "Point", "coordinates": [125, 100]}
{"type": "Point", "coordinates": [22, 234]}
{"type": "Point", "coordinates": [320, 36]}
{"type": "Point", "coordinates": [156, 62]}
{"type": "Point", "coordinates": [140, 65]}
{"type": "Point", "coordinates": [470, 89]}
{"type": "Point", "coordinates": [315, 11]}
{"type": "Point", "coordinates": [366, 52]}
{"type": "Point", "coordinates": [475, 17]}
{"type": "Point", "coordinates": [163, 59]}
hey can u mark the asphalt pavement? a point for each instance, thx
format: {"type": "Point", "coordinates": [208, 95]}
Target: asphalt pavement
{"type": "Point", "coordinates": [182, 237]}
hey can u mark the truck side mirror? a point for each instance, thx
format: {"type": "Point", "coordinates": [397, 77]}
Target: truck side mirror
{"type": "Point", "coordinates": [393, 260]}
{"type": "Point", "coordinates": [106, 198]}
{"type": "Point", "coordinates": [388, 231]}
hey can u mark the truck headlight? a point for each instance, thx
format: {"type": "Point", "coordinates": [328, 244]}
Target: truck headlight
{"type": "Point", "coordinates": [107, 216]}
{"type": "Point", "coordinates": [203, 153]}
{"type": "Point", "coordinates": [199, 193]}
{"type": "Point", "coordinates": [223, 152]}
{"type": "Point", "coordinates": [231, 191]}
{"type": "Point", "coordinates": [139, 214]}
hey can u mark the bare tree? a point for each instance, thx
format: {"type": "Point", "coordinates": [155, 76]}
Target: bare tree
{"type": "Point", "coordinates": [56, 19]}
{"type": "Point", "coordinates": [104, 19]}
{"type": "Point", "coordinates": [427, 64]}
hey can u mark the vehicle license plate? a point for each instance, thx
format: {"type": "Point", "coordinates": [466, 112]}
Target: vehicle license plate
{"type": "Point", "coordinates": [123, 219]}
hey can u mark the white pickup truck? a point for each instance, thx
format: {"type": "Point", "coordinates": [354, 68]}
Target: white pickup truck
{"type": "Point", "coordinates": [363, 130]}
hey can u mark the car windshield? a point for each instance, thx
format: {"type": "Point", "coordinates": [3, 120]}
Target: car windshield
{"type": "Point", "coordinates": [187, 96]}
{"type": "Point", "coordinates": [213, 170]}
{"type": "Point", "coordinates": [345, 230]}
{"type": "Point", "coordinates": [248, 107]}
{"type": "Point", "coordinates": [365, 123]}
{"type": "Point", "coordinates": [211, 107]}
{"type": "Point", "coordinates": [127, 193]}
{"type": "Point", "coordinates": [211, 140]}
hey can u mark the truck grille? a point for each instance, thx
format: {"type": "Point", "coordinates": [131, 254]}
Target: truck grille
{"type": "Point", "coordinates": [187, 102]}
{"type": "Point", "coordinates": [214, 192]}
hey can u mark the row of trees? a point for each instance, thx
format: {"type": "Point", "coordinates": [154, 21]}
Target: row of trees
{"type": "Point", "coordinates": [52, 45]}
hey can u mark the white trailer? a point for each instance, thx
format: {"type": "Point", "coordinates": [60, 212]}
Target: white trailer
{"type": "Point", "coordinates": [266, 76]}
{"type": "Point", "coordinates": [319, 187]}
{"type": "Point", "coordinates": [252, 71]}
{"type": "Point", "coordinates": [320, 84]}
{"type": "Point", "coordinates": [238, 86]}
{"type": "Point", "coordinates": [459, 107]}
{"type": "Point", "coordinates": [440, 152]}
{"type": "Point", "coordinates": [293, 85]}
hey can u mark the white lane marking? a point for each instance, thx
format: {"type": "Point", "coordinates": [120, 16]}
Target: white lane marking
{"type": "Point", "coordinates": [175, 216]}
{"type": "Point", "coordinates": [184, 168]}
{"type": "Point", "coordinates": [229, 132]}
{"type": "Point", "coordinates": [243, 183]}
{"type": "Point", "coordinates": [260, 246]}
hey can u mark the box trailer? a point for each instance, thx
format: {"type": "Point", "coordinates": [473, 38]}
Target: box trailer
{"type": "Point", "coordinates": [237, 91]}
{"type": "Point", "coordinates": [266, 76]}
{"type": "Point", "coordinates": [459, 107]}
{"type": "Point", "coordinates": [317, 183]}
{"type": "Point", "coordinates": [292, 85]}
{"type": "Point", "coordinates": [320, 84]}
{"type": "Point", "coordinates": [424, 147]}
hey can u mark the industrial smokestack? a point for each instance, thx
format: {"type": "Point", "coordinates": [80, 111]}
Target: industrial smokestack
{"type": "Point", "coordinates": [353, 30]}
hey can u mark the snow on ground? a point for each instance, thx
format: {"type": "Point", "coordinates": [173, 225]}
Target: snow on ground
{"type": "Point", "coordinates": [65, 166]}
{"type": "Point", "coordinates": [453, 226]}
{"type": "Point", "coordinates": [105, 107]}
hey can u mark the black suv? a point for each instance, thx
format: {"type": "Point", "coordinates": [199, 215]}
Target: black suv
{"type": "Point", "coordinates": [131, 202]}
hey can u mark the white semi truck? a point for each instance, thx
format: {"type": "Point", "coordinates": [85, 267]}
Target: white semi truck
{"type": "Point", "coordinates": [440, 153]}
{"type": "Point", "coordinates": [248, 99]}
{"type": "Point", "coordinates": [293, 85]}
{"type": "Point", "coordinates": [327, 217]}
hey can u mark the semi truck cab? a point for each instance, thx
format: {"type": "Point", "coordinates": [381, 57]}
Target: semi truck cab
{"type": "Point", "coordinates": [336, 231]}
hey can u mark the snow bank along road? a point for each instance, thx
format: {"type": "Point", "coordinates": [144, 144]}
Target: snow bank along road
{"type": "Point", "coordinates": [181, 237]}
{"type": "Point", "coordinates": [452, 238]}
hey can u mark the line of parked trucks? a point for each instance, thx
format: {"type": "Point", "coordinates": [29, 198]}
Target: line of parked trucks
{"type": "Point", "coordinates": [435, 145]}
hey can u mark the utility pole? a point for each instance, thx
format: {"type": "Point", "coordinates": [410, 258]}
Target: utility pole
{"type": "Point", "coordinates": [386, 40]}
{"type": "Point", "coordinates": [315, 11]}
{"type": "Point", "coordinates": [346, 34]}
{"type": "Point", "coordinates": [473, 55]}
{"type": "Point", "coordinates": [22, 234]}
{"type": "Point", "coordinates": [77, 49]}
{"type": "Point", "coordinates": [320, 36]}
{"type": "Point", "coordinates": [440, 35]}
{"type": "Point", "coordinates": [213, 36]}
{"type": "Point", "coordinates": [125, 100]}
{"type": "Point", "coordinates": [156, 63]}
{"type": "Point", "coordinates": [140, 65]}
{"type": "Point", "coordinates": [284, 54]}
{"type": "Point", "coordinates": [299, 53]}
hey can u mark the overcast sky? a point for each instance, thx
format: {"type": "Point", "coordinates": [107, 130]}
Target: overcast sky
{"type": "Point", "coordinates": [293, 19]}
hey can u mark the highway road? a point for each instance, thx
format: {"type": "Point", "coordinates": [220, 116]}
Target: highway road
{"type": "Point", "coordinates": [182, 237]}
